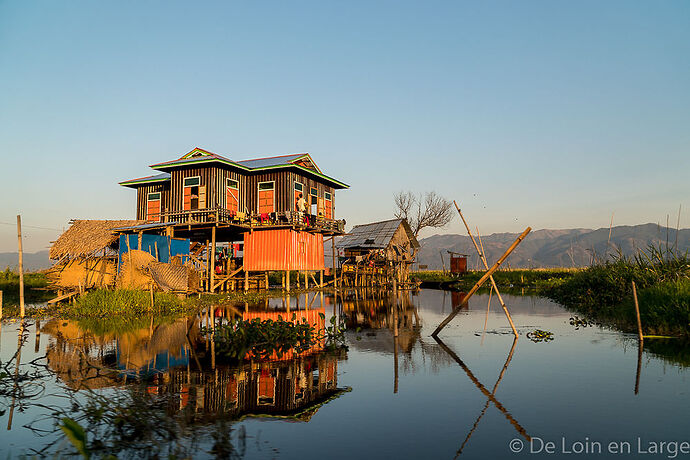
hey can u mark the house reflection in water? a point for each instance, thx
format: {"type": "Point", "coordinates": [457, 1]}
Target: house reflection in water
{"type": "Point", "coordinates": [169, 361]}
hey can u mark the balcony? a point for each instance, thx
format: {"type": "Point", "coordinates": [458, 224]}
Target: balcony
{"type": "Point", "coordinates": [279, 219]}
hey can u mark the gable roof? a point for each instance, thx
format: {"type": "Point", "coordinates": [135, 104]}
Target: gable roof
{"type": "Point", "coordinates": [376, 235]}
{"type": "Point", "coordinates": [300, 161]}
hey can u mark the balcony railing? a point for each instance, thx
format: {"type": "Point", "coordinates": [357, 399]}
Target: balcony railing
{"type": "Point", "coordinates": [248, 220]}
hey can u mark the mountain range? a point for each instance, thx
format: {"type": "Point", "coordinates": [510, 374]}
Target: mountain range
{"type": "Point", "coordinates": [553, 248]}
{"type": "Point", "coordinates": [32, 261]}
{"type": "Point", "coordinates": [540, 249]}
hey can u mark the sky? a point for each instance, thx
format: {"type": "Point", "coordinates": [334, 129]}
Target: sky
{"type": "Point", "coordinates": [551, 114]}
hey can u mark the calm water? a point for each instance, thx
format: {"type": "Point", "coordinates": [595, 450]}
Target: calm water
{"type": "Point", "coordinates": [476, 394]}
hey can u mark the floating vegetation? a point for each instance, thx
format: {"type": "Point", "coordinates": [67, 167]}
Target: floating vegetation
{"type": "Point", "coordinates": [581, 322]}
{"type": "Point", "coordinates": [538, 335]}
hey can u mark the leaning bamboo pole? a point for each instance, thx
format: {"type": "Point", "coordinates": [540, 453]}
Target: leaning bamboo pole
{"type": "Point", "coordinates": [495, 288]}
{"type": "Point", "coordinates": [481, 281]}
{"type": "Point", "coordinates": [482, 256]}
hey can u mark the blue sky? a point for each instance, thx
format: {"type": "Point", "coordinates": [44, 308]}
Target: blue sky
{"type": "Point", "coordinates": [551, 114]}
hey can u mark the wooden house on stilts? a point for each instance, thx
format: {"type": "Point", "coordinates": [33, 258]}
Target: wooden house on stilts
{"type": "Point", "coordinates": [378, 254]}
{"type": "Point", "coordinates": [268, 214]}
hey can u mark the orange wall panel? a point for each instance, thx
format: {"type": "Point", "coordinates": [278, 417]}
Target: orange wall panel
{"type": "Point", "coordinates": [284, 249]}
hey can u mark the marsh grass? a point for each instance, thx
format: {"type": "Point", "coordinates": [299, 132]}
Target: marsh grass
{"type": "Point", "coordinates": [604, 291]}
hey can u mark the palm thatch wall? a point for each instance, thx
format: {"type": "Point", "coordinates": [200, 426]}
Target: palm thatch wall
{"type": "Point", "coordinates": [87, 238]}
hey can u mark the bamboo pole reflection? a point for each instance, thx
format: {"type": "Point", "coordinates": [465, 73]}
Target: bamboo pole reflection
{"type": "Point", "coordinates": [483, 389]}
{"type": "Point", "coordinates": [488, 401]}
{"type": "Point", "coordinates": [640, 347]}
{"type": "Point", "coordinates": [15, 388]}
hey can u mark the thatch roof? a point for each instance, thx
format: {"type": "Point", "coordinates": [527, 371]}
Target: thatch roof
{"type": "Point", "coordinates": [86, 238]}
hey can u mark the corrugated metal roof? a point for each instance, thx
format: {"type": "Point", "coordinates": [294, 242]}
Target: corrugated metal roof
{"type": "Point", "coordinates": [271, 161]}
{"type": "Point", "coordinates": [143, 180]}
{"type": "Point", "coordinates": [376, 235]}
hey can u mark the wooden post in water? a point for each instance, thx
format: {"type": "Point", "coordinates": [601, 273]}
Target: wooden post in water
{"type": "Point", "coordinates": [637, 312]}
{"type": "Point", "coordinates": [335, 272]}
{"type": "Point", "coordinates": [306, 281]}
{"type": "Point", "coordinates": [287, 280]}
{"type": "Point", "coordinates": [246, 281]}
{"type": "Point", "coordinates": [21, 267]}
{"type": "Point", "coordinates": [213, 257]}
{"type": "Point", "coordinates": [151, 291]}
{"type": "Point", "coordinates": [321, 279]}
{"type": "Point", "coordinates": [0, 305]}
{"type": "Point", "coordinates": [482, 280]}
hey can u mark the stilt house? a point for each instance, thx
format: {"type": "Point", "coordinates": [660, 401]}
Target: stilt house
{"type": "Point", "coordinates": [250, 204]}
{"type": "Point", "coordinates": [377, 253]}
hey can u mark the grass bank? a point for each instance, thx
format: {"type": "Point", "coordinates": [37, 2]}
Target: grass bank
{"type": "Point", "coordinates": [35, 288]}
{"type": "Point", "coordinates": [538, 280]}
{"type": "Point", "coordinates": [603, 292]}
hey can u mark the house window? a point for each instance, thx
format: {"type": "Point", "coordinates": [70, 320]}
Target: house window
{"type": "Point", "coordinates": [193, 194]}
{"type": "Point", "coordinates": [315, 208]}
{"type": "Point", "coordinates": [266, 197]}
{"type": "Point", "coordinates": [299, 189]}
{"type": "Point", "coordinates": [153, 206]}
{"type": "Point", "coordinates": [328, 205]}
{"type": "Point", "coordinates": [232, 195]}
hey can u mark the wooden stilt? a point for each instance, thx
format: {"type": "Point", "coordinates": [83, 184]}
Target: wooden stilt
{"type": "Point", "coordinates": [306, 281]}
{"type": "Point", "coordinates": [287, 280]}
{"type": "Point", "coordinates": [321, 279]}
{"type": "Point", "coordinates": [246, 281]}
{"type": "Point", "coordinates": [335, 267]}
{"type": "Point", "coordinates": [213, 258]}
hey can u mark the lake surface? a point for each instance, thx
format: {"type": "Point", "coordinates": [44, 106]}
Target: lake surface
{"type": "Point", "coordinates": [476, 393]}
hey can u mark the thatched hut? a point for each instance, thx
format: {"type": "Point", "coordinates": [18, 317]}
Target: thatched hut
{"type": "Point", "coordinates": [86, 255]}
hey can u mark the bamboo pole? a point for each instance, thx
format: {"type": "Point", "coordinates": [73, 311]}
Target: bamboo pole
{"type": "Point", "coordinates": [637, 312]}
{"type": "Point", "coordinates": [482, 280]}
{"type": "Point", "coordinates": [21, 267]}
{"type": "Point", "coordinates": [482, 256]}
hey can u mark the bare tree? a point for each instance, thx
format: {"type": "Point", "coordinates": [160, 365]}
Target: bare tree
{"type": "Point", "coordinates": [430, 210]}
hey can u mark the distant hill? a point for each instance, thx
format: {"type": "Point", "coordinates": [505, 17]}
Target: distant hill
{"type": "Point", "coordinates": [552, 248]}
{"type": "Point", "coordinates": [32, 261]}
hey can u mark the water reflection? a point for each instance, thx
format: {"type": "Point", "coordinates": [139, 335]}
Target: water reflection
{"type": "Point", "coordinates": [177, 359]}
{"type": "Point", "coordinates": [172, 376]}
